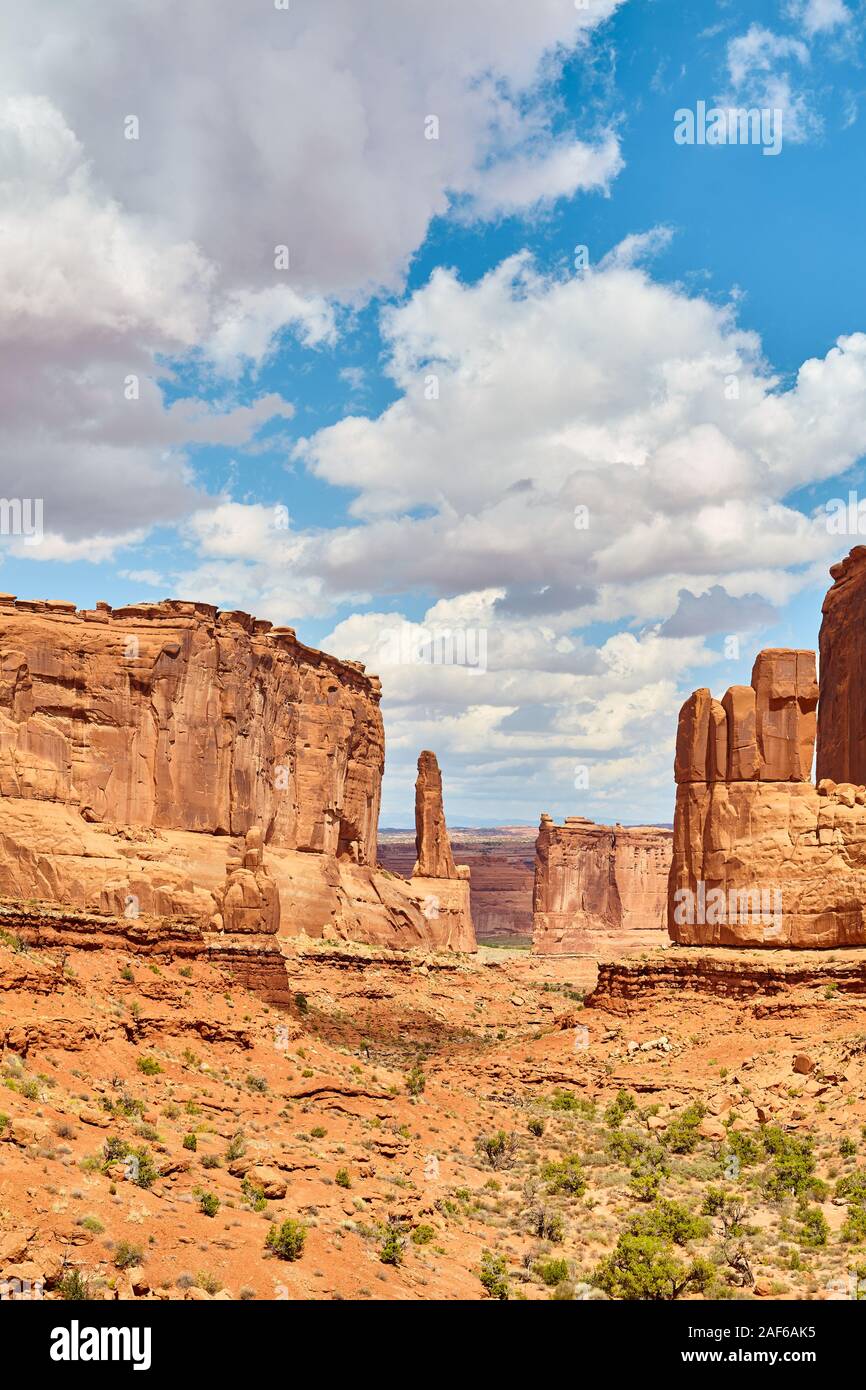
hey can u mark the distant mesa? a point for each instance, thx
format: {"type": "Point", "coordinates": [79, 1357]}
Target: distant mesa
{"type": "Point", "coordinates": [598, 886]}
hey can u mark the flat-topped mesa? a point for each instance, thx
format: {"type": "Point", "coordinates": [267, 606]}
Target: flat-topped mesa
{"type": "Point", "coordinates": [598, 885]}
{"type": "Point", "coordinates": [175, 715]}
{"type": "Point", "coordinates": [842, 644]}
{"type": "Point", "coordinates": [762, 857]}
{"type": "Point", "coordinates": [171, 760]}
{"type": "Point", "coordinates": [762, 732]}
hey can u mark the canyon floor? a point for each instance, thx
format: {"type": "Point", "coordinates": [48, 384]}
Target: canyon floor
{"type": "Point", "coordinates": [433, 1127]}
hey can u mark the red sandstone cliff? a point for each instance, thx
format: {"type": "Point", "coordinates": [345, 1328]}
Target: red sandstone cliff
{"type": "Point", "coordinates": [597, 883]}
{"type": "Point", "coordinates": [761, 856]}
{"type": "Point", "coordinates": [842, 727]}
{"type": "Point", "coordinates": [177, 716]}
{"type": "Point", "coordinates": [139, 747]}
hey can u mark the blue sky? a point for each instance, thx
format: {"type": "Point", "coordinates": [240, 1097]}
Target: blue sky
{"type": "Point", "coordinates": [663, 387]}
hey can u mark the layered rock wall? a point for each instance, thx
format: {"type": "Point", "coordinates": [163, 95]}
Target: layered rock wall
{"type": "Point", "coordinates": [177, 716]}
{"type": "Point", "coordinates": [761, 856]}
{"type": "Point", "coordinates": [842, 727]}
{"type": "Point", "coordinates": [597, 883]}
{"type": "Point", "coordinates": [172, 760]}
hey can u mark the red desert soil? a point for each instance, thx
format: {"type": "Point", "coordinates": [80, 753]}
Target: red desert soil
{"type": "Point", "coordinates": [414, 1111]}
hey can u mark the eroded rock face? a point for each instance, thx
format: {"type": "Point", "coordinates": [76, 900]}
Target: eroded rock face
{"type": "Point", "coordinates": [760, 732]}
{"type": "Point", "coordinates": [177, 716]}
{"type": "Point", "coordinates": [842, 643]}
{"type": "Point", "coordinates": [169, 760]}
{"type": "Point", "coordinates": [249, 901]}
{"type": "Point", "coordinates": [432, 845]}
{"type": "Point", "coordinates": [597, 881]}
{"type": "Point", "coordinates": [442, 885]}
{"type": "Point", "coordinates": [761, 857]}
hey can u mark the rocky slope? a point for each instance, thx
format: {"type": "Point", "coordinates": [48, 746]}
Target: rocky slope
{"type": "Point", "coordinates": [434, 1127]}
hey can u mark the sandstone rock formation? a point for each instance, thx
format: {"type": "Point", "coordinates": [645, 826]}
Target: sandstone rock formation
{"type": "Point", "coordinates": [177, 716]}
{"type": "Point", "coordinates": [432, 846]}
{"type": "Point", "coordinates": [842, 643]}
{"type": "Point", "coordinates": [138, 749]}
{"type": "Point", "coordinates": [761, 856]}
{"type": "Point", "coordinates": [598, 884]}
{"type": "Point", "coordinates": [442, 884]}
{"type": "Point", "coordinates": [501, 862]}
{"type": "Point", "coordinates": [249, 901]}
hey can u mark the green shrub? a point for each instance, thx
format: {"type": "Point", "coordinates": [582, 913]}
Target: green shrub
{"type": "Point", "coordinates": [237, 1147]}
{"type": "Point", "coordinates": [853, 1187]}
{"type": "Point", "coordinates": [149, 1065]}
{"type": "Point", "coordinates": [536, 1126]}
{"type": "Point", "coordinates": [565, 1175]}
{"type": "Point", "coordinates": [190, 1142]}
{"type": "Point", "coordinates": [287, 1240]}
{"type": "Point", "coordinates": [622, 1147]}
{"type": "Point", "coordinates": [342, 1178]}
{"type": "Point", "coordinates": [854, 1229]}
{"type": "Point", "coordinates": [393, 1244]}
{"type": "Point", "coordinates": [568, 1101]}
{"type": "Point", "coordinates": [493, 1275]}
{"type": "Point", "coordinates": [644, 1187]}
{"type": "Point", "coordinates": [74, 1287]}
{"type": "Point", "coordinates": [681, 1135]}
{"type": "Point", "coordinates": [498, 1148]}
{"type": "Point", "coordinates": [144, 1173]}
{"type": "Point", "coordinates": [792, 1171]}
{"type": "Point", "coordinates": [211, 1283]}
{"type": "Point", "coordinates": [814, 1227]}
{"type": "Point", "coordinates": [619, 1108]}
{"type": "Point", "coordinates": [209, 1203]}
{"type": "Point", "coordinates": [552, 1272]}
{"type": "Point", "coordinates": [670, 1221]}
{"type": "Point", "coordinates": [126, 1254]}
{"type": "Point", "coordinates": [422, 1235]}
{"type": "Point", "coordinates": [416, 1080]}
{"type": "Point", "coordinates": [645, 1268]}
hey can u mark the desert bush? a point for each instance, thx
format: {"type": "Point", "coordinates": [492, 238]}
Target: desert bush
{"type": "Point", "coordinates": [565, 1175]}
{"type": "Point", "coordinates": [126, 1255]}
{"type": "Point", "coordinates": [619, 1108]}
{"type": "Point", "coordinates": [287, 1240]}
{"type": "Point", "coordinates": [644, 1267]}
{"type": "Point", "coordinates": [493, 1275]}
{"type": "Point", "coordinates": [209, 1203]}
{"type": "Point", "coordinates": [498, 1148]}
{"type": "Point", "coordinates": [681, 1135]}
